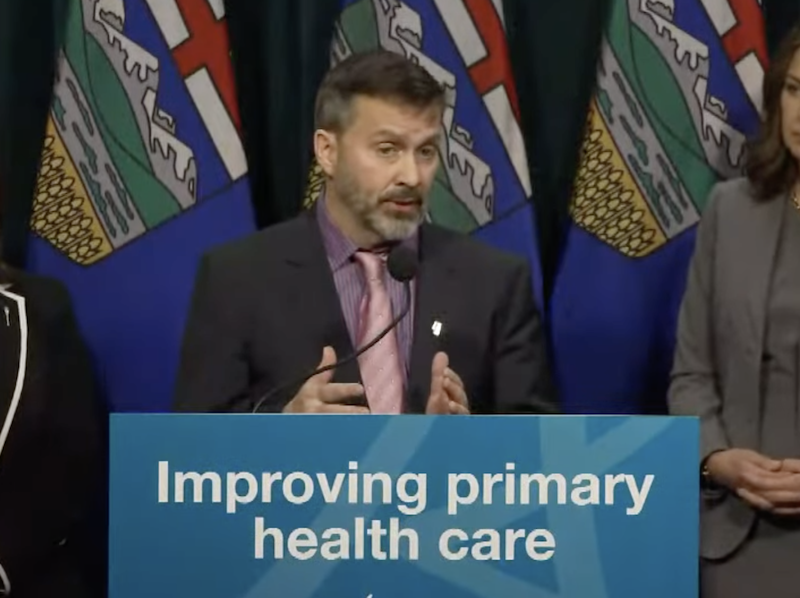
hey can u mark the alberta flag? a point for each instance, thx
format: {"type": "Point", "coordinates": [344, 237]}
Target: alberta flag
{"type": "Point", "coordinates": [142, 171]}
{"type": "Point", "coordinates": [678, 90]}
{"type": "Point", "coordinates": [483, 186]}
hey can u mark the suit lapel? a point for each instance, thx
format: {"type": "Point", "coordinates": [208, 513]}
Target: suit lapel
{"type": "Point", "coordinates": [755, 248]}
{"type": "Point", "coordinates": [310, 275]}
{"type": "Point", "coordinates": [13, 358]}
{"type": "Point", "coordinates": [435, 292]}
{"type": "Point", "coordinates": [760, 245]}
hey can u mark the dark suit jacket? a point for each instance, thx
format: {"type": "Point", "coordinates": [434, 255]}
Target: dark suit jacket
{"type": "Point", "coordinates": [50, 464]}
{"type": "Point", "coordinates": [717, 369]}
{"type": "Point", "coordinates": [265, 306]}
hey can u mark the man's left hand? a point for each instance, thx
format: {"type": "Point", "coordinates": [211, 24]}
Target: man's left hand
{"type": "Point", "coordinates": [448, 396]}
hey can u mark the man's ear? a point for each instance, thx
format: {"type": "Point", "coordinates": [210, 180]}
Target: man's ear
{"type": "Point", "coordinates": [325, 150]}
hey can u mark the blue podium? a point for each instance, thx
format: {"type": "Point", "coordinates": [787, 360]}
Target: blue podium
{"type": "Point", "coordinates": [256, 506]}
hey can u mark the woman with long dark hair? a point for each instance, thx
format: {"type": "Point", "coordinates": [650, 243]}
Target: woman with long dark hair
{"type": "Point", "coordinates": [737, 364]}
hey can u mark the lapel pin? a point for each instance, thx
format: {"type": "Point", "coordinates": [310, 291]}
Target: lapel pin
{"type": "Point", "coordinates": [436, 328]}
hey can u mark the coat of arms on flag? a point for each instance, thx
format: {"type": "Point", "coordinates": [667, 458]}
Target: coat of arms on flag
{"type": "Point", "coordinates": [126, 149]}
{"type": "Point", "coordinates": [677, 94]}
{"type": "Point", "coordinates": [142, 171]}
{"type": "Point", "coordinates": [661, 129]}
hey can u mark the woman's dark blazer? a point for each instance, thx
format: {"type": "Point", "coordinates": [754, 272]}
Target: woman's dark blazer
{"type": "Point", "coordinates": [52, 446]}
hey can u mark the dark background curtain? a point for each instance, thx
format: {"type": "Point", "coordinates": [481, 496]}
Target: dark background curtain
{"type": "Point", "coordinates": [280, 53]}
{"type": "Point", "coordinates": [30, 32]}
{"type": "Point", "coordinates": [781, 16]}
{"type": "Point", "coordinates": [553, 47]}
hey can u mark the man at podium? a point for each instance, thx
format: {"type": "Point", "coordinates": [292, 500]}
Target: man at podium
{"type": "Point", "coordinates": [442, 323]}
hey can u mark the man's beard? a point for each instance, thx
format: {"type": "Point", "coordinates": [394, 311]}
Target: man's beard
{"type": "Point", "coordinates": [389, 227]}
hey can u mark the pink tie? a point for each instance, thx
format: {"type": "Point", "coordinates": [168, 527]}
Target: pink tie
{"type": "Point", "coordinates": [380, 364]}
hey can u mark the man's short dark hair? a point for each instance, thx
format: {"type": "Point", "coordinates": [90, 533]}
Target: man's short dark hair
{"type": "Point", "coordinates": [379, 74]}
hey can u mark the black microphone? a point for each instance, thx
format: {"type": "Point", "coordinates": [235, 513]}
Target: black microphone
{"type": "Point", "coordinates": [402, 264]}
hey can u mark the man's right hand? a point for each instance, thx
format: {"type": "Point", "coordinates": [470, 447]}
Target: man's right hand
{"type": "Point", "coordinates": [320, 395]}
{"type": "Point", "coordinates": [751, 475]}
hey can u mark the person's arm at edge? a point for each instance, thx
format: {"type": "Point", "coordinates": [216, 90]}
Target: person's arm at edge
{"type": "Point", "coordinates": [54, 489]}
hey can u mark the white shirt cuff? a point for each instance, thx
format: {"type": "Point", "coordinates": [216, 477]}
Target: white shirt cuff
{"type": "Point", "coordinates": [5, 584]}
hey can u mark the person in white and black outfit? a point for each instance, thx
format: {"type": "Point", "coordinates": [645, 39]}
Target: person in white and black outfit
{"type": "Point", "coordinates": [51, 444]}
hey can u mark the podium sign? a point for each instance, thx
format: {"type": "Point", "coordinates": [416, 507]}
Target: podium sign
{"type": "Point", "coordinates": [247, 506]}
